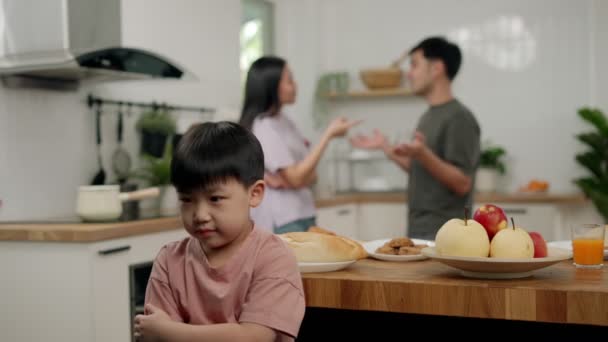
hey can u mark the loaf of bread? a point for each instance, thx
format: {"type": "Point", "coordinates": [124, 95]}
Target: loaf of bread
{"type": "Point", "coordinates": [319, 247]}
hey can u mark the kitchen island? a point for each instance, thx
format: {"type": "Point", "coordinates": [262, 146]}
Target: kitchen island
{"type": "Point", "coordinates": [395, 295]}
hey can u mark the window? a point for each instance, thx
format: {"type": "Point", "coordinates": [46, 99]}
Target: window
{"type": "Point", "coordinates": [257, 32]}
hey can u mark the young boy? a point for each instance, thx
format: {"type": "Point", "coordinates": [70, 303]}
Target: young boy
{"type": "Point", "coordinates": [230, 280]}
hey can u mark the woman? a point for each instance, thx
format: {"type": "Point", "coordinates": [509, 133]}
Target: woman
{"type": "Point", "coordinates": [290, 163]}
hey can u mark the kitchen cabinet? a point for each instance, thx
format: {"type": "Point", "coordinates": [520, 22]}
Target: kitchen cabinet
{"type": "Point", "coordinates": [342, 219]}
{"type": "Point", "coordinates": [72, 291]}
{"type": "Point", "coordinates": [382, 220]}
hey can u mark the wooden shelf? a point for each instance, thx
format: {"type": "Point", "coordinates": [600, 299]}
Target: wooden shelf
{"type": "Point", "coordinates": [393, 92]}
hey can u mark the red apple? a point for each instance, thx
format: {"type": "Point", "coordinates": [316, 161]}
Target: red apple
{"type": "Point", "coordinates": [492, 218]}
{"type": "Point", "coordinates": [540, 245]}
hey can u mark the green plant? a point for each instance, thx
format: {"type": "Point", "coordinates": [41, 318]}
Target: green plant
{"type": "Point", "coordinates": [156, 171]}
{"type": "Point", "coordinates": [335, 82]}
{"type": "Point", "coordinates": [595, 159]}
{"type": "Point", "coordinates": [156, 121]}
{"type": "Point", "coordinates": [491, 158]}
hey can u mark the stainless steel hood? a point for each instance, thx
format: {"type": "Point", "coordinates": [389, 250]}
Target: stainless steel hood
{"type": "Point", "coordinates": [58, 43]}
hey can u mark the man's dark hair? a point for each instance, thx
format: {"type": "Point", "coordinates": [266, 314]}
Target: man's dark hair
{"type": "Point", "coordinates": [213, 152]}
{"type": "Point", "coordinates": [438, 48]}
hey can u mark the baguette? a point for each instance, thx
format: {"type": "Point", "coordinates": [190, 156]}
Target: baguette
{"type": "Point", "coordinates": [319, 247]}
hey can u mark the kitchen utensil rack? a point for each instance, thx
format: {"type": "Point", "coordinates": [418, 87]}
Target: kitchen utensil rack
{"type": "Point", "coordinates": [96, 101]}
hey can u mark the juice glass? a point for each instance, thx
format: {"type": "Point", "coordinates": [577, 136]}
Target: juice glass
{"type": "Point", "coordinates": [588, 245]}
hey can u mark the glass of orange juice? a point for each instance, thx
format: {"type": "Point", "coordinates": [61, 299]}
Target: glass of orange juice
{"type": "Point", "coordinates": [588, 245]}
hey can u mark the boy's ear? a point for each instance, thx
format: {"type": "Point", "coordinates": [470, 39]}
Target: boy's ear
{"type": "Point", "coordinates": [256, 193]}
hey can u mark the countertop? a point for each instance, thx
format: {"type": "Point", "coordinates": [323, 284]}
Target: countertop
{"type": "Point", "coordinates": [90, 232]}
{"type": "Point", "coordinates": [560, 293]}
{"type": "Point", "coordinates": [401, 197]}
{"type": "Point", "coordinates": [84, 232]}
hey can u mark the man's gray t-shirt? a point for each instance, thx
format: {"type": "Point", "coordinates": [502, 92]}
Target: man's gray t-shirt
{"type": "Point", "coordinates": [453, 134]}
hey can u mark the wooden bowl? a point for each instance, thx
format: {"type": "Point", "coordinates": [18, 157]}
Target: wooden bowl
{"type": "Point", "coordinates": [382, 78]}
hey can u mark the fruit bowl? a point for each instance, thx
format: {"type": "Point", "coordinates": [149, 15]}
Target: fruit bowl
{"type": "Point", "coordinates": [499, 268]}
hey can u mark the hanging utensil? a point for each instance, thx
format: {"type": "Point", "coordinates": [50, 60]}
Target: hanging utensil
{"type": "Point", "coordinates": [100, 176]}
{"type": "Point", "coordinates": [121, 160]}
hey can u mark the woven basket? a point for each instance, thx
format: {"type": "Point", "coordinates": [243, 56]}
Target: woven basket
{"type": "Point", "coordinates": [382, 78]}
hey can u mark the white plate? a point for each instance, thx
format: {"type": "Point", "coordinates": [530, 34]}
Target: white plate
{"type": "Point", "coordinates": [494, 268]}
{"type": "Point", "coordinates": [309, 267]}
{"type": "Point", "coordinates": [567, 244]}
{"type": "Point", "coordinates": [371, 247]}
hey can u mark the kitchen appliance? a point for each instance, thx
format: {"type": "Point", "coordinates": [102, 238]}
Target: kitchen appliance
{"type": "Point", "coordinates": [57, 43]}
{"type": "Point", "coordinates": [98, 203]}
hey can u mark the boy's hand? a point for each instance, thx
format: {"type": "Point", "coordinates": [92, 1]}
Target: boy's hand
{"type": "Point", "coordinates": [149, 327]}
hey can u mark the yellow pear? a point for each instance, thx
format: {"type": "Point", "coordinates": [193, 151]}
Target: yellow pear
{"type": "Point", "coordinates": [512, 242]}
{"type": "Point", "coordinates": [466, 238]}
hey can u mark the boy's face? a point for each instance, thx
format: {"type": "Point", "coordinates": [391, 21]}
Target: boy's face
{"type": "Point", "coordinates": [219, 215]}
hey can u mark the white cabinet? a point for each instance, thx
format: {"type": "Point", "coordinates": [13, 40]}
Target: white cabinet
{"type": "Point", "coordinates": [342, 219]}
{"type": "Point", "coordinates": [55, 291]}
{"type": "Point", "coordinates": [382, 220]}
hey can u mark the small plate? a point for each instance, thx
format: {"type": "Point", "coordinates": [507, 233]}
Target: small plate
{"type": "Point", "coordinates": [309, 267]}
{"type": "Point", "coordinates": [495, 268]}
{"type": "Point", "coordinates": [371, 247]}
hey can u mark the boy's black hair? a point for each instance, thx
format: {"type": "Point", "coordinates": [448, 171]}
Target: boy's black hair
{"type": "Point", "coordinates": [439, 48]}
{"type": "Point", "coordinates": [213, 152]}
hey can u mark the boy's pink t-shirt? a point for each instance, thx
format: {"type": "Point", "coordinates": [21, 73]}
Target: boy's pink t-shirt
{"type": "Point", "coordinates": [259, 284]}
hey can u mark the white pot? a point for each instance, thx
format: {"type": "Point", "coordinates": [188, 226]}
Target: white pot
{"type": "Point", "coordinates": [104, 202]}
{"type": "Point", "coordinates": [486, 180]}
{"type": "Point", "coordinates": [168, 201]}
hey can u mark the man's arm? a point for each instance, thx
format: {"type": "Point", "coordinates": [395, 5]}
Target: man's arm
{"type": "Point", "coordinates": [402, 161]}
{"type": "Point", "coordinates": [446, 173]}
{"type": "Point", "coordinates": [449, 175]}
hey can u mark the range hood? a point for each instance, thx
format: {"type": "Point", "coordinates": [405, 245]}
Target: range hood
{"type": "Point", "coordinates": [58, 43]}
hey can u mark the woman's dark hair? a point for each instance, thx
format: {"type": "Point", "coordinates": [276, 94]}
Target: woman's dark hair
{"type": "Point", "coordinates": [213, 152]}
{"type": "Point", "coordinates": [438, 48]}
{"type": "Point", "coordinates": [262, 89]}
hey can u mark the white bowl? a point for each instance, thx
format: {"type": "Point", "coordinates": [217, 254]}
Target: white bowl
{"type": "Point", "coordinates": [499, 268]}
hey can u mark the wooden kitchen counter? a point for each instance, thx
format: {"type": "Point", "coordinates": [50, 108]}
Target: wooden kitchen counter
{"type": "Point", "coordinates": [560, 293]}
{"type": "Point", "coordinates": [85, 232]}
{"type": "Point", "coordinates": [401, 197]}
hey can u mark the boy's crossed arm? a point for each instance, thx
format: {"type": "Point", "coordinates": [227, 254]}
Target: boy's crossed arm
{"type": "Point", "coordinates": [158, 326]}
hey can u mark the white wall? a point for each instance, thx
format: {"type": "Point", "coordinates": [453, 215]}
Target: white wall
{"type": "Point", "coordinates": [600, 55]}
{"type": "Point", "coordinates": [47, 146]}
{"type": "Point", "coordinates": [525, 71]}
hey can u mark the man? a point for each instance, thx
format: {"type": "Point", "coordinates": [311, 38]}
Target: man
{"type": "Point", "coordinates": [443, 156]}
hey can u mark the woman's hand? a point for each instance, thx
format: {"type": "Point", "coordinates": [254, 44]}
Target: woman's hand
{"type": "Point", "coordinates": [275, 181]}
{"type": "Point", "coordinates": [340, 126]}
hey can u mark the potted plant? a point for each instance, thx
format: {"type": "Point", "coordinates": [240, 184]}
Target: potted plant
{"type": "Point", "coordinates": [491, 167]}
{"type": "Point", "coordinates": [157, 172]}
{"type": "Point", "coordinates": [155, 126]}
{"type": "Point", "coordinates": [595, 160]}
{"type": "Point", "coordinates": [336, 83]}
